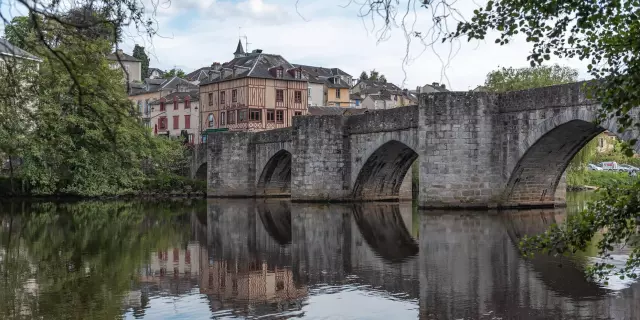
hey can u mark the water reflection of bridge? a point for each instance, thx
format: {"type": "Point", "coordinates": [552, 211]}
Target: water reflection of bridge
{"type": "Point", "coordinates": [259, 258]}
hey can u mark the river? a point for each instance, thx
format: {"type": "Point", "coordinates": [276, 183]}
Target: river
{"type": "Point", "coordinates": [275, 259]}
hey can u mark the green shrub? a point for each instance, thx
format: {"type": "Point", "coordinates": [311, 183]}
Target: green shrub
{"type": "Point", "coordinates": [597, 178]}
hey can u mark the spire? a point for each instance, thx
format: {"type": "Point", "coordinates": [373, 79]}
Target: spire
{"type": "Point", "coordinates": [239, 50]}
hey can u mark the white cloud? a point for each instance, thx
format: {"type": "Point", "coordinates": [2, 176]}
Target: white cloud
{"type": "Point", "coordinates": [323, 33]}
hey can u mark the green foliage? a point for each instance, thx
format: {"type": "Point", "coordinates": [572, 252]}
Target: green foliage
{"type": "Point", "coordinates": [373, 75]}
{"type": "Point", "coordinates": [174, 73]}
{"type": "Point", "coordinates": [140, 54]}
{"type": "Point", "coordinates": [364, 76]}
{"type": "Point", "coordinates": [510, 79]}
{"type": "Point", "coordinates": [605, 34]}
{"type": "Point", "coordinates": [584, 156]}
{"type": "Point", "coordinates": [613, 215]}
{"type": "Point", "coordinates": [597, 178]}
{"type": "Point", "coordinates": [81, 135]}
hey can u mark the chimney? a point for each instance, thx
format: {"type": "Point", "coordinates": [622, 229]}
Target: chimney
{"type": "Point", "coordinates": [119, 51]}
{"type": "Point", "coordinates": [418, 88]}
{"type": "Point", "coordinates": [435, 84]}
{"type": "Point", "coordinates": [443, 86]}
{"type": "Point", "coordinates": [257, 51]}
{"type": "Point", "coordinates": [215, 66]}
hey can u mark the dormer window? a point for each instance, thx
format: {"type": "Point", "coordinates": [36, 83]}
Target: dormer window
{"type": "Point", "coordinates": [298, 74]}
{"type": "Point", "coordinates": [279, 73]}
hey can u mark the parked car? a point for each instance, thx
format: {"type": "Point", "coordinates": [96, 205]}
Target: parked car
{"type": "Point", "coordinates": [609, 166]}
{"type": "Point", "coordinates": [628, 168]}
{"type": "Point", "coordinates": [593, 167]}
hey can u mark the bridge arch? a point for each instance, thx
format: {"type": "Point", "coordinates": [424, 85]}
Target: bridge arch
{"type": "Point", "coordinates": [275, 179]}
{"type": "Point", "coordinates": [201, 172]}
{"type": "Point", "coordinates": [383, 172]}
{"type": "Point", "coordinates": [545, 153]}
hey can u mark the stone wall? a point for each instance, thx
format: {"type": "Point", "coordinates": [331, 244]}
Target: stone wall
{"type": "Point", "coordinates": [459, 141]}
{"type": "Point", "coordinates": [320, 165]}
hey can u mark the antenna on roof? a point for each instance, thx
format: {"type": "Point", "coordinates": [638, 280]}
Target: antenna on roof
{"type": "Point", "coordinates": [246, 43]}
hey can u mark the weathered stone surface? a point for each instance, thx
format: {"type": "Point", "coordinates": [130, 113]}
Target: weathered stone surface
{"type": "Point", "coordinates": [474, 149]}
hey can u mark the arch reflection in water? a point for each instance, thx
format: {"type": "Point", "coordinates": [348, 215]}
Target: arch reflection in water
{"type": "Point", "coordinates": [276, 219]}
{"type": "Point", "coordinates": [385, 231]}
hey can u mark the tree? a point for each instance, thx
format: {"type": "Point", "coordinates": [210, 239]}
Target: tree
{"type": "Point", "coordinates": [382, 79]}
{"type": "Point", "coordinates": [373, 75]}
{"type": "Point", "coordinates": [509, 79]}
{"type": "Point", "coordinates": [364, 76]}
{"type": "Point", "coordinates": [88, 139]}
{"type": "Point", "coordinates": [603, 33]}
{"type": "Point", "coordinates": [174, 73]}
{"type": "Point", "coordinates": [138, 52]}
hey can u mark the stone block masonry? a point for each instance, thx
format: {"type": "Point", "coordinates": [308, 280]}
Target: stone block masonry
{"type": "Point", "coordinates": [473, 149]}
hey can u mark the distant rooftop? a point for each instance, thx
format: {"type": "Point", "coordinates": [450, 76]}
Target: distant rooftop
{"type": "Point", "coordinates": [9, 50]}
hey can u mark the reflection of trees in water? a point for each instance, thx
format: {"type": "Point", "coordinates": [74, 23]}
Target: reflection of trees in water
{"type": "Point", "coordinates": [81, 257]}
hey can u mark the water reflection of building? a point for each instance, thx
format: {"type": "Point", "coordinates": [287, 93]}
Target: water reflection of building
{"type": "Point", "coordinates": [177, 262]}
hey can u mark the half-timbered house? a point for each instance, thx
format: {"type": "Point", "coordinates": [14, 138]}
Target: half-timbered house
{"type": "Point", "coordinates": [253, 92]}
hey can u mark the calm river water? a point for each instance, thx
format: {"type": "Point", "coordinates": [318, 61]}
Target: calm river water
{"type": "Point", "coordinates": [274, 259]}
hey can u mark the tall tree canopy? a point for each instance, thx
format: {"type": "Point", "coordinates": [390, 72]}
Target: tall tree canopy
{"type": "Point", "coordinates": [373, 75]}
{"type": "Point", "coordinates": [509, 79]}
{"type": "Point", "coordinates": [140, 54]}
{"type": "Point", "coordinates": [82, 133]}
{"type": "Point", "coordinates": [174, 72]}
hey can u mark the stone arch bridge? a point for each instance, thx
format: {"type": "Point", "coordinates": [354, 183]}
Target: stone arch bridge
{"type": "Point", "coordinates": [474, 149]}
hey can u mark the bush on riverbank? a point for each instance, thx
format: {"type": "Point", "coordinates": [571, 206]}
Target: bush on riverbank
{"type": "Point", "coordinates": [597, 178]}
{"type": "Point", "coordinates": [166, 184]}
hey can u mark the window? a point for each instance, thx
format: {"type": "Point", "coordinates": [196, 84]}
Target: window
{"type": "Point", "coordinates": [162, 123]}
{"type": "Point", "coordinates": [204, 138]}
{"type": "Point", "coordinates": [175, 103]}
{"type": "Point", "coordinates": [176, 122]}
{"type": "Point", "coordinates": [337, 93]}
{"type": "Point", "coordinates": [270, 116]}
{"type": "Point", "coordinates": [162, 105]}
{"type": "Point", "coordinates": [231, 117]}
{"type": "Point", "coordinates": [210, 120]}
{"type": "Point", "coordinates": [234, 95]}
{"type": "Point", "coordinates": [187, 102]}
{"type": "Point", "coordinates": [187, 121]}
{"type": "Point", "coordinates": [278, 73]}
{"type": "Point", "coordinates": [222, 118]}
{"type": "Point", "coordinates": [298, 113]}
{"type": "Point", "coordinates": [279, 116]}
{"type": "Point", "coordinates": [255, 114]}
{"type": "Point", "coordinates": [242, 116]}
{"type": "Point", "coordinates": [298, 96]}
{"type": "Point", "coordinates": [146, 107]}
{"type": "Point", "coordinates": [210, 98]}
{"type": "Point", "coordinates": [297, 74]}
{"type": "Point", "coordinates": [279, 95]}
{"type": "Point", "coordinates": [222, 97]}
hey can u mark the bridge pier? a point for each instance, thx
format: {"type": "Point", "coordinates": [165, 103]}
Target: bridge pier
{"type": "Point", "coordinates": [473, 150]}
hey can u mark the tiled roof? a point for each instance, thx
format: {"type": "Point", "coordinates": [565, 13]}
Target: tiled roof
{"type": "Point", "coordinates": [151, 70]}
{"type": "Point", "coordinates": [155, 85]}
{"type": "Point", "coordinates": [256, 65]}
{"type": "Point", "coordinates": [322, 111]}
{"type": "Point", "coordinates": [370, 87]}
{"type": "Point", "coordinates": [384, 96]}
{"type": "Point", "coordinates": [199, 74]}
{"type": "Point", "coordinates": [326, 76]}
{"type": "Point", "coordinates": [7, 49]}
{"type": "Point", "coordinates": [355, 96]}
{"type": "Point", "coordinates": [123, 57]}
{"type": "Point", "coordinates": [193, 96]}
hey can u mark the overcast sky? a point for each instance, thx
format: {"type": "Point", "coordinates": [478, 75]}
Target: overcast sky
{"type": "Point", "coordinates": [195, 33]}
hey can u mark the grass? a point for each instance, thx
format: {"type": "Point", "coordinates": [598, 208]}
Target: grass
{"type": "Point", "coordinates": [596, 178]}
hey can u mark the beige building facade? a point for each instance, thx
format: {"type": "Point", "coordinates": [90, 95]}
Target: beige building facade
{"type": "Point", "coordinates": [176, 113]}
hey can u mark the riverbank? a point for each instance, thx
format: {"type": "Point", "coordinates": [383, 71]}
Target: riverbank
{"type": "Point", "coordinates": [163, 187]}
{"type": "Point", "coordinates": [592, 180]}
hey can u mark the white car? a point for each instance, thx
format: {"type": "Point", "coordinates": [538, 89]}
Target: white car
{"type": "Point", "coordinates": [593, 167]}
